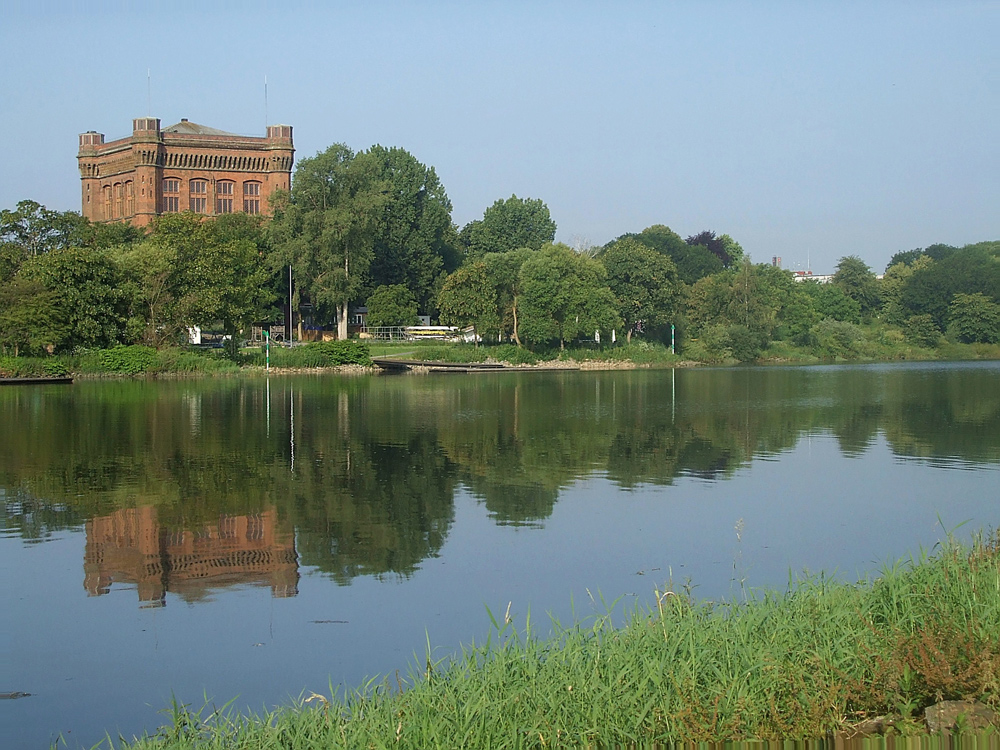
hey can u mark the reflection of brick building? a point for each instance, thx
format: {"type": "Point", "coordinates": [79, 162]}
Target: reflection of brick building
{"type": "Point", "coordinates": [185, 167]}
{"type": "Point", "coordinates": [130, 546]}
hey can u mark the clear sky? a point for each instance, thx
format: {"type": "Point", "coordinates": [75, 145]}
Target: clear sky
{"type": "Point", "coordinates": [807, 130]}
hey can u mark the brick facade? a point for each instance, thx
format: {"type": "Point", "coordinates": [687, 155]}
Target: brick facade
{"type": "Point", "coordinates": [185, 167]}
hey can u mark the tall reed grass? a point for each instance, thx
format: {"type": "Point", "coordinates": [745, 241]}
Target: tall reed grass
{"type": "Point", "coordinates": [819, 658]}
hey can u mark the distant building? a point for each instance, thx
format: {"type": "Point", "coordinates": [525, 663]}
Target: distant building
{"type": "Point", "coordinates": [822, 278]}
{"type": "Point", "coordinates": [185, 167]}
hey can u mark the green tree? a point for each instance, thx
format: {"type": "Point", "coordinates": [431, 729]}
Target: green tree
{"type": "Point", "coordinates": [921, 330]}
{"type": "Point", "coordinates": [504, 272]}
{"type": "Point", "coordinates": [327, 228]}
{"type": "Point", "coordinates": [858, 282]}
{"type": "Point", "coordinates": [742, 309]}
{"type": "Point", "coordinates": [933, 286]}
{"type": "Point", "coordinates": [565, 297]}
{"type": "Point", "coordinates": [392, 306]}
{"type": "Point", "coordinates": [905, 257]}
{"type": "Point", "coordinates": [34, 229]}
{"type": "Point", "coordinates": [507, 225]}
{"type": "Point", "coordinates": [693, 261]}
{"type": "Point", "coordinates": [830, 301]}
{"type": "Point", "coordinates": [416, 243]}
{"type": "Point", "coordinates": [468, 298]}
{"type": "Point", "coordinates": [644, 282]}
{"type": "Point", "coordinates": [88, 305]}
{"type": "Point", "coordinates": [193, 272]}
{"type": "Point", "coordinates": [29, 320]}
{"type": "Point", "coordinates": [725, 248]}
{"type": "Point", "coordinates": [150, 285]}
{"type": "Point", "coordinates": [974, 318]}
{"type": "Point", "coordinates": [733, 249]}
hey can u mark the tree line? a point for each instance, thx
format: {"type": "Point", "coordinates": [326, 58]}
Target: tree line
{"type": "Point", "coordinates": [375, 228]}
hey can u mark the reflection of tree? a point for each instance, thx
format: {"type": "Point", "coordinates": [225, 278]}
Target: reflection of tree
{"type": "Point", "coordinates": [377, 460]}
{"type": "Point", "coordinates": [513, 504]}
{"type": "Point", "coordinates": [34, 520]}
{"type": "Point", "coordinates": [379, 509]}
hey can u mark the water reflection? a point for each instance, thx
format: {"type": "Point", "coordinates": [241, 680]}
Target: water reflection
{"type": "Point", "coordinates": [131, 546]}
{"type": "Point", "coordinates": [188, 486]}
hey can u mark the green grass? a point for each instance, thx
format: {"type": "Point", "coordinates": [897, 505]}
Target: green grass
{"type": "Point", "coordinates": [639, 352]}
{"type": "Point", "coordinates": [799, 664]}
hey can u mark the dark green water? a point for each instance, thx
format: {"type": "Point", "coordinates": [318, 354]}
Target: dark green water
{"type": "Point", "coordinates": [260, 538]}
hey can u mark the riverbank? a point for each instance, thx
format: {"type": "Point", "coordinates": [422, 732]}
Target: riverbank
{"type": "Point", "coordinates": [355, 357]}
{"type": "Point", "coordinates": [822, 659]}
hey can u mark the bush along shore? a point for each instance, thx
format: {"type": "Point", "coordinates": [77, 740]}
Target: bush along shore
{"type": "Point", "coordinates": [145, 361]}
{"type": "Point", "coordinates": [825, 659]}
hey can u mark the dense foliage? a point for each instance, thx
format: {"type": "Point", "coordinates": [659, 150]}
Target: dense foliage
{"type": "Point", "coordinates": [375, 227]}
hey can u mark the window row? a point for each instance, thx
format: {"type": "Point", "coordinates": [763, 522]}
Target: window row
{"type": "Point", "coordinates": [198, 196]}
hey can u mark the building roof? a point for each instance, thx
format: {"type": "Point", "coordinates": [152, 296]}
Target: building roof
{"type": "Point", "coordinates": [193, 128]}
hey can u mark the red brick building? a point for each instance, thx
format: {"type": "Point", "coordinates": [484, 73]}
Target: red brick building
{"type": "Point", "coordinates": [185, 167]}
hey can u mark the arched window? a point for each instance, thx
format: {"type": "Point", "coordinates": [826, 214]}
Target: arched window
{"type": "Point", "coordinates": [107, 202]}
{"type": "Point", "coordinates": [251, 197]}
{"type": "Point", "coordinates": [224, 197]}
{"type": "Point", "coordinates": [129, 198]}
{"type": "Point", "coordinates": [119, 200]}
{"type": "Point", "coordinates": [198, 190]}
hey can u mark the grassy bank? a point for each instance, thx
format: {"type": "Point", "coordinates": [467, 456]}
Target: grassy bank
{"type": "Point", "coordinates": [146, 361]}
{"type": "Point", "coordinates": [819, 658]}
{"type": "Point", "coordinates": [870, 344]}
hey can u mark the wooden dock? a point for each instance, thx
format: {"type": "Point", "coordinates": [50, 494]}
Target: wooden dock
{"type": "Point", "coordinates": [392, 364]}
{"type": "Point", "coordinates": [36, 381]}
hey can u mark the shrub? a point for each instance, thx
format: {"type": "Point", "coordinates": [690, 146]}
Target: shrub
{"type": "Point", "coordinates": [128, 360]}
{"type": "Point", "coordinates": [836, 338]}
{"type": "Point", "coordinates": [922, 331]}
{"type": "Point", "coordinates": [315, 354]}
{"type": "Point", "coordinates": [55, 369]}
{"type": "Point", "coordinates": [515, 355]}
{"type": "Point", "coordinates": [746, 345]}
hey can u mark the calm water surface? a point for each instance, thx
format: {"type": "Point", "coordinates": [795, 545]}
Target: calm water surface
{"type": "Point", "coordinates": [260, 538]}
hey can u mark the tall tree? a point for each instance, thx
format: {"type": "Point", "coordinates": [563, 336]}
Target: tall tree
{"type": "Point", "coordinates": [974, 318]}
{"type": "Point", "coordinates": [468, 298]}
{"type": "Point", "coordinates": [29, 317]}
{"type": "Point", "coordinates": [693, 261]}
{"type": "Point", "coordinates": [858, 282]}
{"type": "Point", "coordinates": [35, 229]}
{"type": "Point", "coordinates": [88, 304]}
{"type": "Point", "coordinates": [392, 305]}
{"type": "Point", "coordinates": [565, 297]}
{"type": "Point", "coordinates": [507, 225]}
{"type": "Point", "coordinates": [192, 272]}
{"type": "Point", "coordinates": [725, 248]}
{"type": "Point", "coordinates": [932, 287]}
{"type": "Point", "coordinates": [644, 282]}
{"type": "Point", "coordinates": [326, 229]}
{"type": "Point", "coordinates": [504, 272]}
{"type": "Point", "coordinates": [416, 243]}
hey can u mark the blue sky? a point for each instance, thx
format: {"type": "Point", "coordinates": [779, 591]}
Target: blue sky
{"type": "Point", "coordinates": [807, 130]}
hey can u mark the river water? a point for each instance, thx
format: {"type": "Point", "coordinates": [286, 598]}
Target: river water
{"type": "Point", "coordinates": [254, 538]}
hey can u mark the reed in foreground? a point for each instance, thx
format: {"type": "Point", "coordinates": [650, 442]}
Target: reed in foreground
{"type": "Point", "coordinates": [819, 658]}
